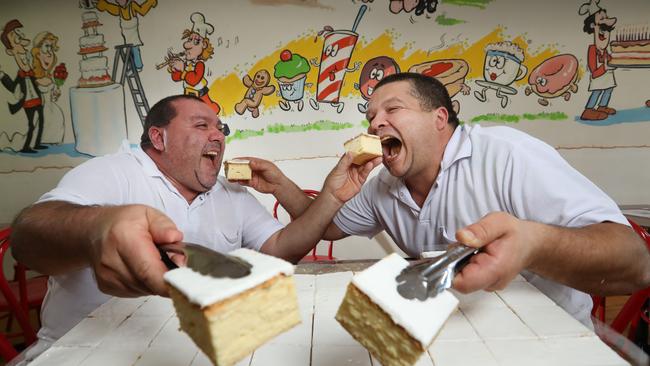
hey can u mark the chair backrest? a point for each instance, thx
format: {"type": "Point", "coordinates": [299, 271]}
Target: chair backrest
{"type": "Point", "coordinates": [635, 308]}
{"type": "Point", "coordinates": [312, 257]}
{"type": "Point", "coordinates": [14, 305]}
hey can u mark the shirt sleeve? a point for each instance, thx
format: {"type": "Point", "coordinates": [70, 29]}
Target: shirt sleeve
{"type": "Point", "coordinates": [258, 224]}
{"type": "Point", "coordinates": [543, 187]}
{"type": "Point", "coordinates": [95, 182]}
{"type": "Point", "coordinates": [357, 216]}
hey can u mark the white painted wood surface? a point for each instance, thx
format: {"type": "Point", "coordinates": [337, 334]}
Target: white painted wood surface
{"type": "Point", "coordinates": [516, 326]}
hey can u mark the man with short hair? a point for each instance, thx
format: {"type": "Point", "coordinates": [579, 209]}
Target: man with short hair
{"type": "Point", "coordinates": [495, 188]}
{"type": "Point", "coordinates": [96, 233]}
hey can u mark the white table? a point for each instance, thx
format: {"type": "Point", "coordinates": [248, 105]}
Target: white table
{"type": "Point", "coordinates": [517, 326]}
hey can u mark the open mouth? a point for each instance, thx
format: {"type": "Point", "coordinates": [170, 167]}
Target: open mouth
{"type": "Point", "coordinates": [212, 155]}
{"type": "Point", "coordinates": [391, 147]}
{"type": "Point", "coordinates": [370, 90]}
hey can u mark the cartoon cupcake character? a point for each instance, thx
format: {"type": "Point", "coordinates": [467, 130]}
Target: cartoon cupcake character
{"type": "Point", "coordinates": [291, 73]}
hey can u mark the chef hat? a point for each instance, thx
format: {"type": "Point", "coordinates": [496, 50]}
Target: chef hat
{"type": "Point", "coordinates": [589, 8]}
{"type": "Point", "coordinates": [199, 25]}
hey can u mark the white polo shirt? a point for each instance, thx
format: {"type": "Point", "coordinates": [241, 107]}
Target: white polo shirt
{"type": "Point", "coordinates": [225, 218]}
{"type": "Point", "coordinates": [484, 170]}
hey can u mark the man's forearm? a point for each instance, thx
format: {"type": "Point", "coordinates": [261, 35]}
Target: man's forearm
{"type": "Point", "coordinates": [55, 237]}
{"type": "Point", "coordinates": [293, 199]}
{"type": "Point", "coordinates": [302, 234]}
{"type": "Point", "coordinates": [601, 259]}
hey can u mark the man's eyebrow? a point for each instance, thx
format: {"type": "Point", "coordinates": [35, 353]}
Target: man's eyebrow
{"type": "Point", "coordinates": [200, 118]}
{"type": "Point", "coordinates": [392, 100]}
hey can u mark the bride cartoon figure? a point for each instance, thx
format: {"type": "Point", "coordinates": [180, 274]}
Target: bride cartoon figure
{"type": "Point", "coordinates": [49, 80]}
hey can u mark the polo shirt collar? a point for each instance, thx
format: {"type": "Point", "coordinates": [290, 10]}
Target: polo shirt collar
{"type": "Point", "coordinates": [458, 147]}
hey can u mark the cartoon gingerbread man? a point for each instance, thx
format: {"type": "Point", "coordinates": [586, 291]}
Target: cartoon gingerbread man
{"type": "Point", "coordinates": [258, 87]}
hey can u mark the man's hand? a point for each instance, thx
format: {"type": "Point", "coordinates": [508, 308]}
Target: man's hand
{"type": "Point", "coordinates": [346, 179]}
{"type": "Point", "coordinates": [124, 256]}
{"type": "Point", "coordinates": [266, 178]}
{"type": "Point", "coordinates": [507, 245]}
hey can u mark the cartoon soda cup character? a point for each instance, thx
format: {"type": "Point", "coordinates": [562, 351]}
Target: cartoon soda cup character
{"type": "Point", "coordinates": [335, 58]}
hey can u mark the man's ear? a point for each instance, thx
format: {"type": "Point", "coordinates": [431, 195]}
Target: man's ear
{"type": "Point", "coordinates": [441, 117]}
{"type": "Point", "coordinates": [157, 137]}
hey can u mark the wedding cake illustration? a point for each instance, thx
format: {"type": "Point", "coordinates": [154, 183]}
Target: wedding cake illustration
{"type": "Point", "coordinates": [96, 103]}
{"type": "Point", "coordinates": [93, 65]}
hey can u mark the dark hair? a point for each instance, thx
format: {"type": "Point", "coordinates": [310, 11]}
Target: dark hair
{"type": "Point", "coordinates": [429, 91]}
{"type": "Point", "coordinates": [161, 114]}
{"type": "Point", "coordinates": [590, 23]}
{"type": "Point", "coordinates": [9, 27]}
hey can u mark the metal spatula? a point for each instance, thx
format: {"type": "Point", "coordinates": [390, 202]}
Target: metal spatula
{"type": "Point", "coordinates": [428, 277]}
{"type": "Point", "coordinates": [206, 261]}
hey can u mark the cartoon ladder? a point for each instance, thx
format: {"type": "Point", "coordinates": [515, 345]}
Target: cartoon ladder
{"type": "Point", "coordinates": [125, 53]}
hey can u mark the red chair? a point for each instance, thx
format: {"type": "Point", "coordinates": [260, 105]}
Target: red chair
{"type": "Point", "coordinates": [312, 257]}
{"type": "Point", "coordinates": [636, 306]}
{"type": "Point", "coordinates": [11, 306]}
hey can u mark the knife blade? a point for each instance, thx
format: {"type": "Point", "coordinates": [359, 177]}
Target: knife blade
{"type": "Point", "coordinates": [205, 261]}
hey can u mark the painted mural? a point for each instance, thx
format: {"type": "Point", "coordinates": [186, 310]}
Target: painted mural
{"type": "Point", "coordinates": [298, 74]}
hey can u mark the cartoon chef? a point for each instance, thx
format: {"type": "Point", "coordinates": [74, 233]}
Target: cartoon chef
{"type": "Point", "coordinates": [601, 82]}
{"type": "Point", "coordinates": [189, 66]}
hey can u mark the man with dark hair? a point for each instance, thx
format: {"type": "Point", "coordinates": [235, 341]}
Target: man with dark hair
{"type": "Point", "coordinates": [495, 188]}
{"type": "Point", "coordinates": [96, 233]}
{"type": "Point", "coordinates": [30, 100]}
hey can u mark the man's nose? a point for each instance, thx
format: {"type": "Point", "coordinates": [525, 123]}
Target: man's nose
{"type": "Point", "coordinates": [216, 134]}
{"type": "Point", "coordinates": [377, 123]}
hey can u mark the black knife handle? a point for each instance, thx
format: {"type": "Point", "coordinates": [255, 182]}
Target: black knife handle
{"type": "Point", "coordinates": [165, 258]}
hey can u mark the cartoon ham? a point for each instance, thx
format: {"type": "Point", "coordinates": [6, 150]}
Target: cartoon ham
{"type": "Point", "coordinates": [554, 77]}
{"type": "Point", "coordinates": [372, 73]}
{"type": "Point", "coordinates": [450, 72]}
{"type": "Point", "coordinates": [335, 58]}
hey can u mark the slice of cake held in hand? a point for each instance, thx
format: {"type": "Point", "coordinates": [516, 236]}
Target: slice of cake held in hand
{"type": "Point", "coordinates": [238, 170]}
{"type": "Point", "coordinates": [364, 148]}
{"type": "Point", "coordinates": [393, 329]}
{"type": "Point", "coordinates": [229, 318]}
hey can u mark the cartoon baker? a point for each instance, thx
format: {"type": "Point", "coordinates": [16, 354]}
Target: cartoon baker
{"type": "Point", "coordinates": [602, 82]}
{"type": "Point", "coordinates": [189, 66]}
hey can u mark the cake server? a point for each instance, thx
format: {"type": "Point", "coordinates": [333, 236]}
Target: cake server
{"type": "Point", "coordinates": [427, 278]}
{"type": "Point", "coordinates": [206, 261]}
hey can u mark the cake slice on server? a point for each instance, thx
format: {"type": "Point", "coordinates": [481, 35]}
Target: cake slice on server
{"type": "Point", "coordinates": [395, 330]}
{"type": "Point", "coordinates": [228, 318]}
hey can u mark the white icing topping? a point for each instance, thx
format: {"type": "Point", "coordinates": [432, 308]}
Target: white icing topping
{"type": "Point", "coordinates": [205, 290]}
{"type": "Point", "coordinates": [238, 161]}
{"type": "Point", "coordinates": [421, 319]}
